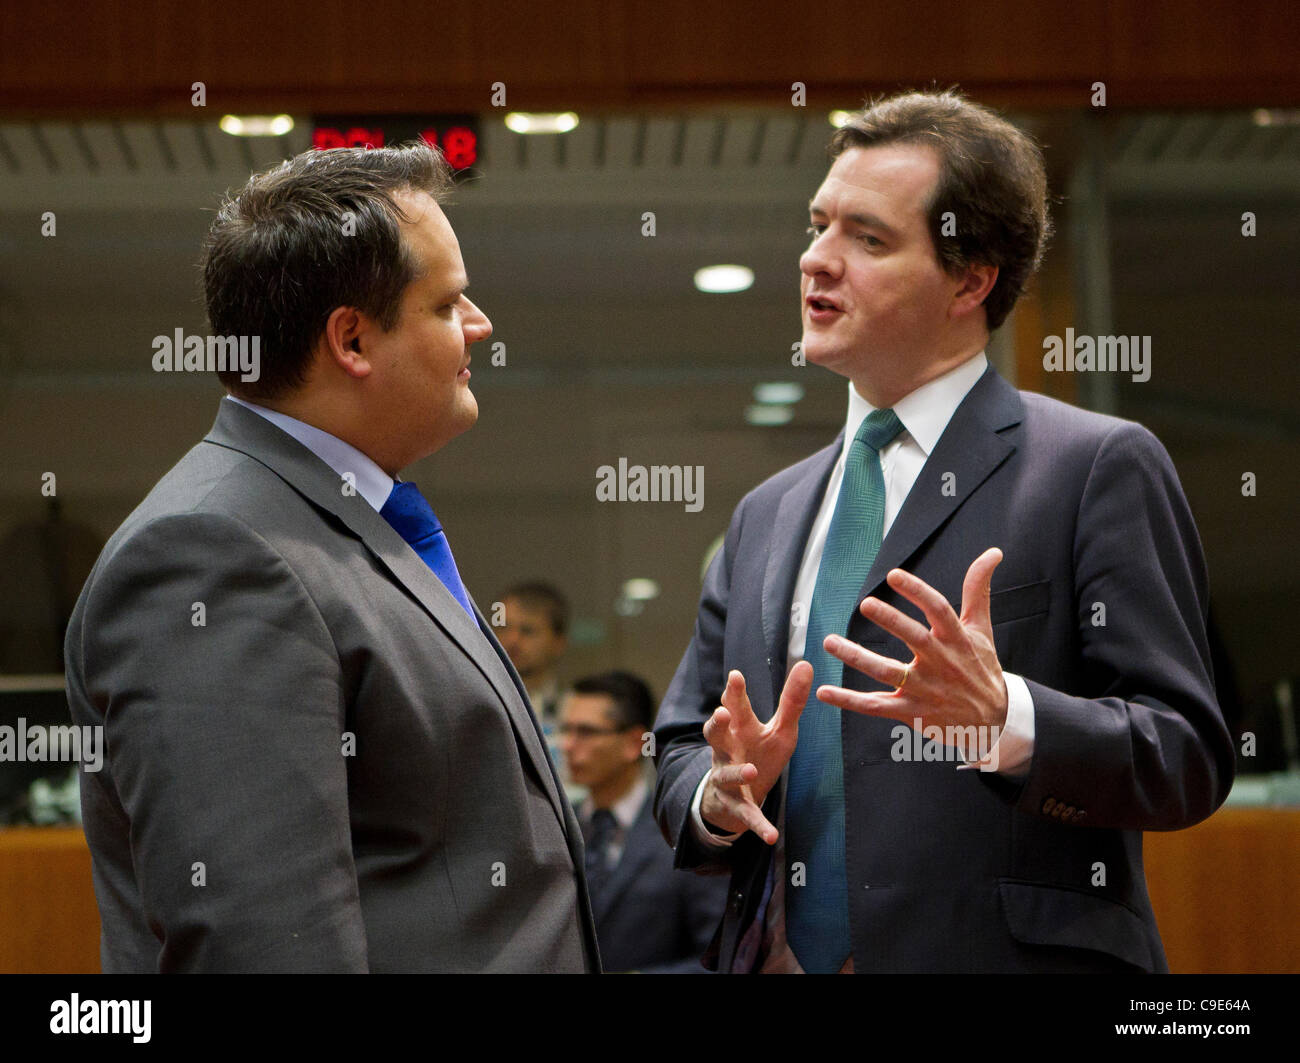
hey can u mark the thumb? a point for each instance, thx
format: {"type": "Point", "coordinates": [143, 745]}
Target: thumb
{"type": "Point", "coordinates": [976, 588]}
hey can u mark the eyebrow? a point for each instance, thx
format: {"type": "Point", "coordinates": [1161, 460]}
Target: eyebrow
{"type": "Point", "coordinates": [866, 221]}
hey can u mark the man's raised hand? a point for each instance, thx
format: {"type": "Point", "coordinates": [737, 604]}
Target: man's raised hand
{"type": "Point", "coordinates": [748, 756]}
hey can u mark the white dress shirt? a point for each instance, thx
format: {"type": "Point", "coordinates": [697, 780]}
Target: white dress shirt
{"type": "Point", "coordinates": [372, 483]}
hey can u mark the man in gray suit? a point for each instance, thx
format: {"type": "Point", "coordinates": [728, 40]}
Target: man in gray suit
{"type": "Point", "coordinates": [320, 759]}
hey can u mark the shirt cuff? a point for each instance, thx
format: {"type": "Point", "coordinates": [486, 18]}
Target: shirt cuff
{"type": "Point", "coordinates": [702, 833]}
{"type": "Point", "coordinates": [1014, 749]}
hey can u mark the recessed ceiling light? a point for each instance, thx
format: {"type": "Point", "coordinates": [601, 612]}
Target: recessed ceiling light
{"type": "Point", "coordinates": [640, 590]}
{"type": "Point", "coordinates": [256, 125]}
{"type": "Point", "coordinates": [767, 416]}
{"type": "Point", "coordinates": [778, 392]}
{"type": "Point", "coordinates": [1275, 116]}
{"type": "Point", "coordinates": [526, 122]}
{"type": "Point", "coordinates": [724, 278]}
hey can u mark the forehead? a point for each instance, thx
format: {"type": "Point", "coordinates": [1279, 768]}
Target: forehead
{"type": "Point", "coordinates": [894, 181]}
{"type": "Point", "coordinates": [588, 708]}
{"type": "Point", "coordinates": [429, 234]}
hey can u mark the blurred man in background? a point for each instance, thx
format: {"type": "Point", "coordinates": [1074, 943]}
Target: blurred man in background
{"type": "Point", "coordinates": [649, 917]}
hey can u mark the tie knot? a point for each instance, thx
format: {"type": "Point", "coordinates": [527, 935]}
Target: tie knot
{"type": "Point", "coordinates": [409, 513]}
{"type": "Point", "coordinates": [878, 428]}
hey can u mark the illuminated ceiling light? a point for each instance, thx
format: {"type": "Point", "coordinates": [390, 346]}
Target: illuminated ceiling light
{"type": "Point", "coordinates": [724, 278]}
{"type": "Point", "coordinates": [640, 590]}
{"type": "Point", "coordinates": [1265, 116]}
{"type": "Point", "coordinates": [766, 416]}
{"type": "Point", "coordinates": [524, 122]}
{"type": "Point", "coordinates": [256, 125]}
{"type": "Point", "coordinates": [778, 392]}
{"type": "Point", "coordinates": [839, 119]}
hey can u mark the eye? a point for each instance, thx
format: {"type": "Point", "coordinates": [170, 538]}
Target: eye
{"type": "Point", "coordinates": [815, 231]}
{"type": "Point", "coordinates": [871, 241]}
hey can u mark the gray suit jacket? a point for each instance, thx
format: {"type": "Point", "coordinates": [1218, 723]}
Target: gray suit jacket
{"type": "Point", "coordinates": [316, 760]}
{"type": "Point", "coordinates": [967, 870]}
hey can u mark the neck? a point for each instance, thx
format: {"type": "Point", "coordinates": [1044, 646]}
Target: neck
{"type": "Point", "coordinates": [339, 416]}
{"type": "Point", "coordinates": [539, 681]}
{"type": "Point", "coordinates": [608, 794]}
{"type": "Point", "coordinates": [886, 389]}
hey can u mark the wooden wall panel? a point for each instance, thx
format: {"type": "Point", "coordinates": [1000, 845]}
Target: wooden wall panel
{"type": "Point", "coordinates": [141, 56]}
{"type": "Point", "coordinates": [49, 922]}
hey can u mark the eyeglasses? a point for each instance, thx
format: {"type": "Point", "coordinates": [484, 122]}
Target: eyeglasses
{"type": "Point", "coordinates": [583, 731]}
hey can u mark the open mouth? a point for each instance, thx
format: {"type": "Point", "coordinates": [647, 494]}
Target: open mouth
{"type": "Point", "coordinates": [822, 308]}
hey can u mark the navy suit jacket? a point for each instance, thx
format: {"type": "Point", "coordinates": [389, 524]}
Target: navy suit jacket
{"type": "Point", "coordinates": [651, 917]}
{"type": "Point", "coordinates": [1099, 604]}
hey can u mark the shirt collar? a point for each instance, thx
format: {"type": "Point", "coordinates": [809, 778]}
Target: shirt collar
{"type": "Point", "coordinates": [373, 484]}
{"type": "Point", "coordinates": [626, 808]}
{"type": "Point", "coordinates": [925, 412]}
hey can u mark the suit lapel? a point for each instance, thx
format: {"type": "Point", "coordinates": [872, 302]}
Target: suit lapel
{"type": "Point", "coordinates": [970, 449]}
{"type": "Point", "coordinates": [245, 431]}
{"type": "Point", "coordinates": [789, 536]}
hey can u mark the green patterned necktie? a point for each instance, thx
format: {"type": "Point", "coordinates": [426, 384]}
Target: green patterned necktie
{"type": "Point", "coordinates": [817, 912]}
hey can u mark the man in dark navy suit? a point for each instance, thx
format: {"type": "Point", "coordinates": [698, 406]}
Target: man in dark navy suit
{"type": "Point", "coordinates": [649, 917]}
{"type": "Point", "coordinates": [961, 652]}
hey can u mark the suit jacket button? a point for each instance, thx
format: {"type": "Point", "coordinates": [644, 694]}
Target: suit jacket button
{"type": "Point", "coordinates": [735, 902]}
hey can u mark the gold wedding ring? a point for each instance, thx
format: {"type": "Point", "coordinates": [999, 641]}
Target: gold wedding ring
{"type": "Point", "coordinates": [907, 670]}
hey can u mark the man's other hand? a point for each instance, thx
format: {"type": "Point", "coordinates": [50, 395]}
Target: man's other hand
{"type": "Point", "coordinates": [748, 756]}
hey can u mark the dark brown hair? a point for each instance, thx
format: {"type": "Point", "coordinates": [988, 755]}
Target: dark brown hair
{"type": "Point", "coordinates": [634, 705]}
{"type": "Point", "coordinates": [544, 598]}
{"type": "Point", "coordinates": [316, 232]}
{"type": "Point", "coordinates": [991, 179]}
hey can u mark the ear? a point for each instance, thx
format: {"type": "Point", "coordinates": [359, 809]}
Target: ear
{"type": "Point", "coordinates": [975, 283]}
{"type": "Point", "coordinates": [342, 341]}
{"type": "Point", "coordinates": [632, 745]}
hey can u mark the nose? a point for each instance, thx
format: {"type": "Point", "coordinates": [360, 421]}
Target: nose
{"type": "Point", "coordinates": [475, 323]}
{"type": "Point", "coordinates": [821, 256]}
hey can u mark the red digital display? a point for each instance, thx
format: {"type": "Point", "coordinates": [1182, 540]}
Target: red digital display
{"type": "Point", "coordinates": [456, 137]}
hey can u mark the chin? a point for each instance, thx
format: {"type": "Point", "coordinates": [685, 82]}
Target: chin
{"type": "Point", "coordinates": [824, 356]}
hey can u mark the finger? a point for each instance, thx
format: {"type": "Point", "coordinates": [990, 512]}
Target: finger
{"type": "Point", "coordinates": [723, 808]}
{"type": "Point", "coordinates": [754, 819]}
{"type": "Point", "coordinates": [976, 590]}
{"type": "Point", "coordinates": [891, 706]}
{"type": "Point", "coordinates": [794, 695]}
{"type": "Point", "coordinates": [734, 696]}
{"type": "Point", "coordinates": [885, 616]}
{"type": "Point", "coordinates": [717, 730]}
{"type": "Point", "coordinates": [886, 669]}
{"type": "Point", "coordinates": [943, 621]}
{"type": "Point", "coordinates": [735, 776]}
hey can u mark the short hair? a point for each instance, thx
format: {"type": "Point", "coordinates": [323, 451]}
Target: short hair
{"type": "Point", "coordinates": [634, 705]}
{"type": "Point", "coordinates": [544, 598]}
{"type": "Point", "coordinates": [316, 232]}
{"type": "Point", "coordinates": [991, 177]}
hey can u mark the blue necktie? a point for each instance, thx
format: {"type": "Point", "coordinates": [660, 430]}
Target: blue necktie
{"type": "Point", "coordinates": [817, 912]}
{"type": "Point", "coordinates": [413, 519]}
